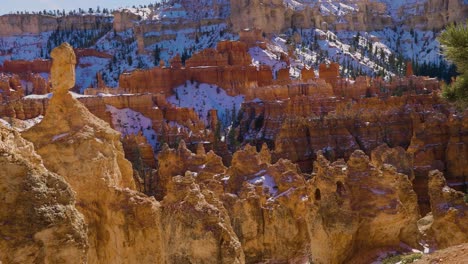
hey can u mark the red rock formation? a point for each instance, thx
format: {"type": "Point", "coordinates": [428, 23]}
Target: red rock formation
{"type": "Point", "coordinates": [175, 162]}
{"type": "Point", "coordinates": [206, 58]}
{"type": "Point", "coordinates": [156, 80]}
{"type": "Point", "coordinates": [409, 69]}
{"type": "Point", "coordinates": [282, 76]}
{"type": "Point", "coordinates": [137, 149]}
{"type": "Point", "coordinates": [330, 73]}
{"type": "Point", "coordinates": [39, 84]}
{"type": "Point", "coordinates": [10, 88]}
{"type": "Point", "coordinates": [80, 53]}
{"type": "Point", "coordinates": [439, 142]}
{"type": "Point", "coordinates": [22, 66]}
{"type": "Point", "coordinates": [298, 127]}
{"type": "Point", "coordinates": [210, 238]}
{"type": "Point", "coordinates": [307, 74]}
{"type": "Point", "coordinates": [278, 215]}
{"type": "Point", "coordinates": [275, 16]}
{"type": "Point", "coordinates": [176, 62]}
{"type": "Point", "coordinates": [141, 154]}
{"type": "Point", "coordinates": [397, 157]}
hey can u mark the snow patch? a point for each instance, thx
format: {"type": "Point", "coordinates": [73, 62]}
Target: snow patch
{"type": "Point", "coordinates": [267, 182]}
{"type": "Point", "coordinates": [57, 137]}
{"type": "Point", "coordinates": [203, 97]}
{"type": "Point", "coordinates": [129, 122]}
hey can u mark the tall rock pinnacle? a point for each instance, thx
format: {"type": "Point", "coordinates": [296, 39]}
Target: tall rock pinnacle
{"type": "Point", "coordinates": [63, 68]}
{"type": "Point", "coordinates": [88, 153]}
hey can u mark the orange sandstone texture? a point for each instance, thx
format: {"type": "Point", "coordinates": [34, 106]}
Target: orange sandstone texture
{"type": "Point", "coordinates": [279, 214]}
{"type": "Point", "coordinates": [40, 221]}
{"type": "Point", "coordinates": [124, 225]}
{"type": "Point", "coordinates": [449, 211]}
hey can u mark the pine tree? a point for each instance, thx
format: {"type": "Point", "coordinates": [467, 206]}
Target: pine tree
{"type": "Point", "coordinates": [454, 41]}
{"type": "Point", "coordinates": [157, 55]}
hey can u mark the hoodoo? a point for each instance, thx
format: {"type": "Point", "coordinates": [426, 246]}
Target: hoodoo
{"type": "Point", "coordinates": [260, 131]}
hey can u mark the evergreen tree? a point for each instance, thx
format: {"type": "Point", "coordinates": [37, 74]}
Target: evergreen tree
{"type": "Point", "coordinates": [454, 41]}
{"type": "Point", "coordinates": [157, 55]}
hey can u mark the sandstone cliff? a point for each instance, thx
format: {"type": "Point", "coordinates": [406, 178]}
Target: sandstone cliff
{"type": "Point", "coordinates": [296, 128]}
{"type": "Point", "coordinates": [279, 214]}
{"type": "Point", "coordinates": [88, 154]}
{"type": "Point", "coordinates": [275, 16]}
{"type": "Point", "coordinates": [124, 226]}
{"type": "Point", "coordinates": [39, 220]}
{"type": "Point", "coordinates": [449, 210]}
{"type": "Point", "coordinates": [14, 24]}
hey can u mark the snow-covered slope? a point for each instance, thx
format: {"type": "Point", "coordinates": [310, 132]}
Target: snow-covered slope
{"type": "Point", "coordinates": [383, 53]}
{"type": "Point", "coordinates": [129, 122]}
{"type": "Point", "coordinates": [187, 26]}
{"type": "Point", "coordinates": [203, 97]}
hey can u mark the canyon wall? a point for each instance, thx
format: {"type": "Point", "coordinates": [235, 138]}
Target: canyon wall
{"type": "Point", "coordinates": [275, 16]}
{"type": "Point", "coordinates": [280, 215]}
{"type": "Point", "coordinates": [124, 226]}
{"type": "Point", "coordinates": [14, 24]}
{"type": "Point", "coordinates": [40, 221]}
{"type": "Point", "coordinates": [296, 128]}
{"type": "Point", "coordinates": [449, 211]}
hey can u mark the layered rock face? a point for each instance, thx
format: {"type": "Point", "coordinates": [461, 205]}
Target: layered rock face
{"type": "Point", "coordinates": [196, 225]}
{"type": "Point", "coordinates": [124, 226]}
{"type": "Point", "coordinates": [268, 15]}
{"type": "Point", "coordinates": [280, 215]}
{"type": "Point", "coordinates": [275, 16]}
{"type": "Point", "coordinates": [170, 123]}
{"type": "Point", "coordinates": [380, 199]}
{"type": "Point", "coordinates": [449, 210]}
{"type": "Point", "coordinates": [89, 155]}
{"type": "Point", "coordinates": [439, 142]}
{"type": "Point", "coordinates": [12, 25]}
{"type": "Point", "coordinates": [21, 66]}
{"type": "Point", "coordinates": [436, 14]}
{"type": "Point", "coordinates": [227, 66]}
{"type": "Point", "coordinates": [298, 127]}
{"type": "Point", "coordinates": [165, 22]}
{"type": "Point", "coordinates": [39, 220]}
{"type": "Point", "coordinates": [259, 208]}
{"type": "Point", "coordinates": [10, 88]}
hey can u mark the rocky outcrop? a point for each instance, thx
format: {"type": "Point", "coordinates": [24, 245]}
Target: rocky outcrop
{"type": "Point", "coordinates": [125, 226]}
{"type": "Point", "coordinates": [209, 239]}
{"type": "Point", "coordinates": [124, 19]}
{"type": "Point", "coordinates": [279, 214]}
{"type": "Point", "coordinates": [22, 66]}
{"type": "Point", "coordinates": [174, 162]}
{"type": "Point", "coordinates": [21, 24]}
{"type": "Point", "coordinates": [435, 14]}
{"type": "Point", "coordinates": [296, 128]}
{"type": "Point", "coordinates": [227, 66]}
{"type": "Point", "coordinates": [259, 14]}
{"type": "Point", "coordinates": [10, 88]}
{"type": "Point", "coordinates": [397, 157]}
{"type": "Point", "coordinates": [39, 222]}
{"type": "Point", "coordinates": [439, 143]}
{"type": "Point", "coordinates": [88, 153]}
{"type": "Point", "coordinates": [275, 16]}
{"type": "Point", "coordinates": [367, 201]}
{"type": "Point", "coordinates": [15, 24]}
{"type": "Point", "coordinates": [450, 212]}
